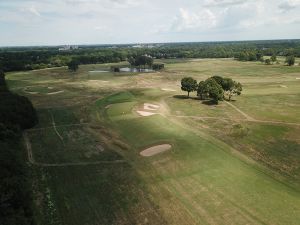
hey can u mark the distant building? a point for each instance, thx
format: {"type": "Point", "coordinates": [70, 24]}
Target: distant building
{"type": "Point", "coordinates": [68, 48]}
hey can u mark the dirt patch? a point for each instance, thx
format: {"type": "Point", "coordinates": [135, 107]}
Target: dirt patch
{"type": "Point", "coordinates": [154, 150]}
{"type": "Point", "coordinates": [144, 113]}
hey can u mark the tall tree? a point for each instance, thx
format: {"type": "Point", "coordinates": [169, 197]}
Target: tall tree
{"type": "Point", "coordinates": [234, 88]}
{"type": "Point", "coordinates": [188, 84]}
{"type": "Point", "coordinates": [273, 58]}
{"type": "Point", "coordinates": [214, 90]}
{"type": "Point", "coordinates": [73, 65]}
{"type": "Point", "coordinates": [290, 60]}
{"type": "Point", "coordinates": [201, 90]}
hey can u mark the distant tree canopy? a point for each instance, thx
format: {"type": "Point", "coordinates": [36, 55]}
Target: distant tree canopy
{"type": "Point", "coordinates": [290, 60]}
{"type": "Point", "coordinates": [73, 65]}
{"type": "Point", "coordinates": [16, 113]}
{"type": "Point", "coordinates": [16, 59]}
{"type": "Point", "coordinates": [188, 84]}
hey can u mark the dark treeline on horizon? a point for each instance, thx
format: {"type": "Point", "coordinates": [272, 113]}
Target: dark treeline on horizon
{"type": "Point", "coordinates": [30, 58]}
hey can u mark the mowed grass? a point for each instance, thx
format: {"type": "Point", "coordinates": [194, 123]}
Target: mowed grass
{"type": "Point", "coordinates": [72, 144]}
{"type": "Point", "coordinates": [94, 194]}
{"type": "Point", "coordinates": [238, 192]}
{"type": "Point", "coordinates": [221, 169]}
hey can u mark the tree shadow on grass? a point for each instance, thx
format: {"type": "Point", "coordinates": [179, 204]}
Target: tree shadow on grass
{"type": "Point", "coordinates": [209, 102]}
{"type": "Point", "coordinates": [185, 97]}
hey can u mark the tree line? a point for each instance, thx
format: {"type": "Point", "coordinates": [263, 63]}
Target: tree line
{"type": "Point", "coordinates": [16, 114]}
{"type": "Point", "coordinates": [215, 88]}
{"type": "Point", "coordinates": [16, 59]}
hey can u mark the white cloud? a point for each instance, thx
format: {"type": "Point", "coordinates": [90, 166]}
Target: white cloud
{"type": "Point", "coordinates": [223, 3]}
{"type": "Point", "coordinates": [119, 21]}
{"type": "Point", "coordinates": [188, 20]}
{"type": "Point", "coordinates": [289, 5]}
{"type": "Point", "coordinates": [32, 10]}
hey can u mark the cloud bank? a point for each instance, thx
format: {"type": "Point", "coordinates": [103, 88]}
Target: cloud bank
{"type": "Point", "coordinates": [53, 22]}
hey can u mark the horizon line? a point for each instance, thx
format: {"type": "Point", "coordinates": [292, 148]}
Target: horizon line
{"type": "Point", "coordinates": [144, 43]}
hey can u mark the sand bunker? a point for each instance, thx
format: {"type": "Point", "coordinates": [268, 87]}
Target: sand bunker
{"type": "Point", "coordinates": [144, 113]}
{"type": "Point", "coordinates": [283, 86]}
{"type": "Point", "coordinates": [148, 106]}
{"type": "Point", "coordinates": [55, 93]}
{"type": "Point", "coordinates": [155, 150]}
{"type": "Point", "coordinates": [298, 78]}
{"type": "Point", "coordinates": [167, 89]}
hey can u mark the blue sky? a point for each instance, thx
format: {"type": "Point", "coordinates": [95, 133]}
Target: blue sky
{"type": "Point", "coordinates": [56, 22]}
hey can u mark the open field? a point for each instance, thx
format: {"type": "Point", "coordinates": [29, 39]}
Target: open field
{"type": "Point", "coordinates": [234, 163]}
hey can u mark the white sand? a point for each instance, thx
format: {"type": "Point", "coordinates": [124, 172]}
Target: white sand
{"type": "Point", "coordinates": [283, 86]}
{"type": "Point", "coordinates": [152, 107]}
{"type": "Point", "coordinates": [167, 89]}
{"type": "Point", "coordinates": [55, 93]}
{"type": "Point", "coordinates": [298, 78]}
{"type": "Point", "coordinates": [155, 150]}
{"type": "Point", "coordinates": [144, 113]}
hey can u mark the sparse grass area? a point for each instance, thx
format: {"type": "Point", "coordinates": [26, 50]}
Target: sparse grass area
{"type": "Point", "coordinates": [222, 169]}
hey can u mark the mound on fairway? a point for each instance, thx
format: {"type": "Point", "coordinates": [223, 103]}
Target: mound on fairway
{"type": "Point", "coordinates": [154, 150]}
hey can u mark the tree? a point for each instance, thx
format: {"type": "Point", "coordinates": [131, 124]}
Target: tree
{"type": "Point", "coordinates": [268, 62]}
{"type": "Point", "coordinates": [73, 65]}
{"type": "Point", "coordinates": [273, 58]}
{"type": "Point", "coordinates": [229, 86]}
{"type": "Point", "coordinates": [3, 86]}
{"type": "Point", "coordinates": [290, 60]}
{"type": "Point", "coordinates": [188, 84]}
{"type": "Point", "coordinates": [201, 90]}
{"type": "Point", "coordinates": [235, 89]}
{"type": "Point", "coordinates": [214, 90]}
{"type": "Point", "coordinates": [141, 60]}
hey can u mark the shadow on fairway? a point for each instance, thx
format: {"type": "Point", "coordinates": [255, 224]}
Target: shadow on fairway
{"type": "Point", "coordinates": [185, 97]}
{"type": "Point", "coordinates": [208, 102]}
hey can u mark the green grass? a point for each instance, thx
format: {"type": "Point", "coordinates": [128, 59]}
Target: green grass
{"type": "Point", "coordinates": [219, 171]}
{"type": "Point", "coordinates": [75, 144]}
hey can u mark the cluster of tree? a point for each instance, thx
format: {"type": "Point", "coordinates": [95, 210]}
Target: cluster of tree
{"type": "Point", "coordinates": [15, 59]}
{"type": "Point", "coordinates": [271, 60]}
{"type": "Point", "coordinates": [214, 88]}
{"type": "Point", "coordinates": [251, 55]}
{"type": "Point", "coordinates": [141, 60]}
{"type": "Point", "coordinates": [16, 114]}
